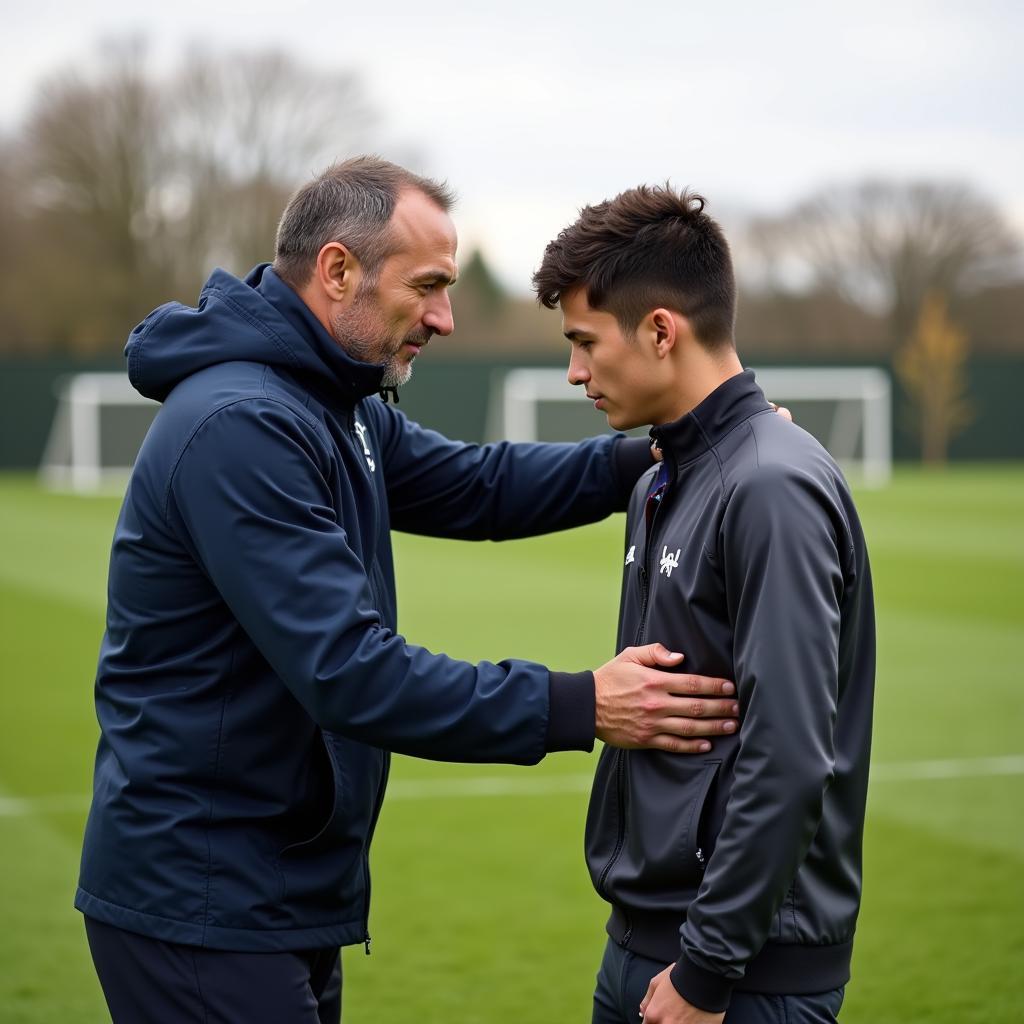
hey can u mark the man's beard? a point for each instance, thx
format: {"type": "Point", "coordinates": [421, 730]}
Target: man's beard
{"type": "Point", "coordinates": [360, 333]}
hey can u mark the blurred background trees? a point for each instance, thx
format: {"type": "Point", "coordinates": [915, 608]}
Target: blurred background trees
{"type": "Point", "coordinates": [886, 267]}
{"type": "Point", "coordinates": [124, 186]}
{"type": "Point", "coordinates": [880, 247]}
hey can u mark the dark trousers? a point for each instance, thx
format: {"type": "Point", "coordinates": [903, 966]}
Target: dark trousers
{"type": "Point", "coordinates": [146, 981]}
{"type": "Point", "coordinates": [623, 979]}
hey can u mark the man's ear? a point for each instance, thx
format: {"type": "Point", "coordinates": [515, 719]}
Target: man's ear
{"type": "Point", "coordinates": [338, 272]}
{"type": "Point", "coordinates": [662, 328]}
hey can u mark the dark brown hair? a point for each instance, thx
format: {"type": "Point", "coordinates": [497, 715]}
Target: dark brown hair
{"type": "Point", "coordinates": [351, 202]}
{"type": "Point", "coordinates": [651, 246]}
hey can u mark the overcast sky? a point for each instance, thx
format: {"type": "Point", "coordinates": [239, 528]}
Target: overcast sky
{"type": "Point", "coordinates": [532, 109]}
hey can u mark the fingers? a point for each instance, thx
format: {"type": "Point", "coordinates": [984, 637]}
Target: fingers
{"type": "Point", "coordinates": [647, 998]}
{"type": "Point", "coordinates": [652, 655]}
{"type": "Point", "coordinates": [657, 980]}
{"type": "Point", "coordinates": [698, 686]}
{"type": "Point", "coordinates": [677, 745]}
{"type": "Point", "coordinates": [683, 735]}
{"type": "Point", "coordinates": [640, 704]}
{"type": "Point", "coordinates": [680, 682]}
{"type": "Point", "coordinates": [688, 728]}
{"type": "Point", "coordinates": [701, 707]}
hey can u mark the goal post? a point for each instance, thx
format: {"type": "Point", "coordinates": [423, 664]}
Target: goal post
{"type": "Point", "coordinates": [97, 429]}
{"type": "Point", "coordinates": [858, 433]}
{"type": "Point", "coordinates": [848, 409]}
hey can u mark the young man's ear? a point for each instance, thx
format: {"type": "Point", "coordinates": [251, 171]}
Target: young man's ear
{"type": "Point", "coordinates": [662, 328]}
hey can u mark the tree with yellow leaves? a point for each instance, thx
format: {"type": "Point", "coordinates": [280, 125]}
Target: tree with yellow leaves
{"type": "Point", "coordinates": [932, 366]}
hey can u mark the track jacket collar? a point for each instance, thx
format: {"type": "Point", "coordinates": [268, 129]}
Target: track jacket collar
{"type": "Point", "coordinates": [729, 405]}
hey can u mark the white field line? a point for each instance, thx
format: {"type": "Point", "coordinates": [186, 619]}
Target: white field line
{"type": "Point", "coordinates": [502, 785]}
{"type": "Point", "coordinates": [962, 768]}
{"type": "Point", "coordinates": [17, 806]}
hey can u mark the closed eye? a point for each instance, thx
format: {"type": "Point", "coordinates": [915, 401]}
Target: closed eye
{"type": "Point", "coordinates": [434, 284]}
{"type": "Point", "coordinates": [581, 341]}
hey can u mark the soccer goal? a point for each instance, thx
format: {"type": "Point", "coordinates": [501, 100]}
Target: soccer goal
{"type": "Point", "coordinates": [97, 430]}
{"type": "Point", "coordinates": [848, 409]}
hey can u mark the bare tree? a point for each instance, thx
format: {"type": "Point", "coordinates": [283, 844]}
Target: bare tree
{"type": "Point", "coordinates": [248, 127]}
{"type": "Point", "coordinates": [14, 251]}
{"type": "Point", "coordinates": [96, 152]}
{"type": "Point", "coordinates": [885, 245]}
{"type": "Point", "coordinates": [122, 189]}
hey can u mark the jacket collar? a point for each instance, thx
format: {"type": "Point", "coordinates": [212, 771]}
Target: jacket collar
{"type": "Point", "coordinates": [357, 379]}
{"type": "Point", "coordinates": [729, 405]}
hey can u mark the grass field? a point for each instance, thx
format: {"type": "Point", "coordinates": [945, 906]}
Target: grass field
{"type": "Point", "coordinates": [482, 910]}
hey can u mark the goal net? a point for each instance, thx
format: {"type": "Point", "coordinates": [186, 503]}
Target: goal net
{"type": "Point", "coordinates": [848, 409]}
{"type": "Point", "coordinates": [97, 430]}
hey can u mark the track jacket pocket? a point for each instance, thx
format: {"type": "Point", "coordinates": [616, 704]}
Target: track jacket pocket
{"type": "Point", "coordinates": [666, 843]}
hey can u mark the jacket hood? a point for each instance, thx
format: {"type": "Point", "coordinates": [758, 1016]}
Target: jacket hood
{"type": "Point", "coordinates": [259, 319]}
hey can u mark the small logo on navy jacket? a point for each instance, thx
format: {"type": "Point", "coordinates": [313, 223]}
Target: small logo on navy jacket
{"type": "Point", "coordinates": [631, 554]}
{"type": "Point", "coordinates": [361, 431]}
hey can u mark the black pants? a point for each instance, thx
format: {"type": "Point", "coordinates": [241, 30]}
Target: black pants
{"type": "Point", "coordinates": [624, 976]}
{"type": "Point", "coordinates": [146, 981]}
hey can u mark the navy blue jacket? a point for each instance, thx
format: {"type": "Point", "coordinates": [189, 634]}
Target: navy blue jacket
{"type": "Point", "coordinates": [251, 677]}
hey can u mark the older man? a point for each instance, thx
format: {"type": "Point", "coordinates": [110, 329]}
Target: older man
{"type": "Point", "coordinates": [251, 679]}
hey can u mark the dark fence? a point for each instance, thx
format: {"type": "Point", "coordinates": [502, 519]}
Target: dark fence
{"type": "Point", "coordinates": [453, 396]}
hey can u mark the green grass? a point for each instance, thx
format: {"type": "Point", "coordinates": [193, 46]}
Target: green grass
{"type": "Point", "coordinates": [482, 909]}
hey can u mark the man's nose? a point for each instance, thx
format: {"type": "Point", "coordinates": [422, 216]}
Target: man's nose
{"type": "Point", "coordinates": [578, 373]}
{"type": "Point", "coordinates": [438, 316]}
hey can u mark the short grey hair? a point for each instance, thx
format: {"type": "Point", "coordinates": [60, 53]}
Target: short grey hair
{"type": "Point", "coordinates": [352, 203]}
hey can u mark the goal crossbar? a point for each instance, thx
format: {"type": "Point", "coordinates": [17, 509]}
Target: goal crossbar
{"type": "Point", "coordinates": [863, 396]}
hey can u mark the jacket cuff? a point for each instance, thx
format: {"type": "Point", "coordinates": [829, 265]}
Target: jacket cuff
{"type": "Point", "coordinates": [707, 991]}
{"type": "Point", "coordinates": [630, 456]}
{"type": "Point", "coordinates": [572, 709]}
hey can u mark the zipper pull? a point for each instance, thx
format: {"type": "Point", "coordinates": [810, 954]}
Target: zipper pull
{"type": "Point", "coordinates": [366, 943]}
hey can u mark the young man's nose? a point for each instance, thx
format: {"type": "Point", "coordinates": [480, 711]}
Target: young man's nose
{"type": "Point", "coordinates": [578, 374]}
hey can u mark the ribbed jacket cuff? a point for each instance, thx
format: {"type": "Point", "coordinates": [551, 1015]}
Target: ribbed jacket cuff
{"type": "Point", "coordinates": [707, 991]}
{"type": "Point", "coordinates": [631, 455]}
{"type": "Point", "coordinates": [572, 710]}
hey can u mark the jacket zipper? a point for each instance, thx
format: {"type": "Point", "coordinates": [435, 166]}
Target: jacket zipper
{"type": "Point", "coordinates": [366, 855]}
{"type": "Point", "coordinates": [620, 786]}
{"type": "Point", "coordinates": [361, 447]}
{"type": "Point", "coordinates": [645, 576]}
{"type": "Point", "coordinates": [620, 789]}
{"type": "Point", "coordinates": [645, 596]}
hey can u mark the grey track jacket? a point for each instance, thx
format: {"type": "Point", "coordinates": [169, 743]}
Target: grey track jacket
{"type": "Point", "coordinates": [754, 565]}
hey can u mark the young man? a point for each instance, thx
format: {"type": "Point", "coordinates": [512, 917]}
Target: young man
{"type": "Point", "coordinates": [740, 869]}
{"type": "Point", "coordinates": [251, 679]}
